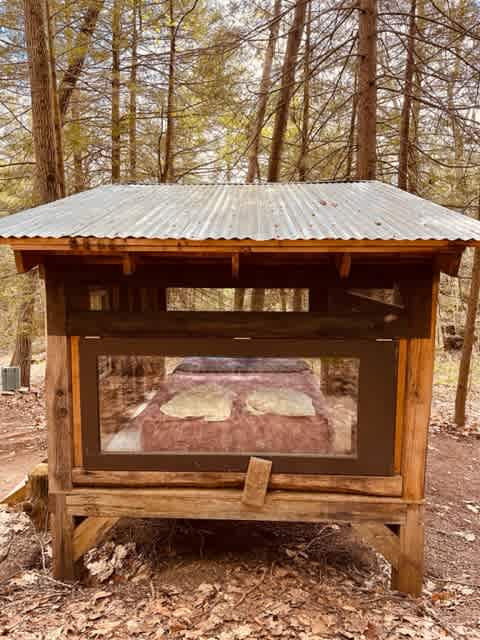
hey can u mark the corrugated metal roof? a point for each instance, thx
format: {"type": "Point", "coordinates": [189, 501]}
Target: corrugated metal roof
{"type": "Point", "coordinates": [303, 211]}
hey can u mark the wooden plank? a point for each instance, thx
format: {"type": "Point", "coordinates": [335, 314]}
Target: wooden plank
{"type": "Point", "coordinates": [151, 245]}
{"type": "Point", "coordinates": [256, 482]}
{"type": "Point", "coordinates": [58, 387]}
{"type": "Point", "coordinates": [381, 538]}
{"type": "Point", "coordinates": [235, 266]}
{"type": "Point", "coordinates": [20, 265]}
{"type": "Point", "coordinates": [16, 495]}
{"type": "Point", "coordinates": [343, 262]}
{"type": "Point", "coordinates": [128, 264]}
{"type": "Point", "coordinates": [62, 539]}
{"type": "Point", "coordinates": [89, 533]}
{"type": "Point", "coordinates": [268, 273]}
{"type": "Point", "coordinates": [76, 403]}
{"type": "Point", "coordinates": [408, 577]}
{"type": "Point", "coordinates": [225, 504]}
{"type": "Point", "coordinates": [213, 324]}
{"type": "Point", "coordinates": [418, 397]}
{"type": "Point", "coordinates": [366, 485]}
{"type": "Point", "coordinates": [449, 263]}
{"type": "Point", "coordinates": [400, 404]}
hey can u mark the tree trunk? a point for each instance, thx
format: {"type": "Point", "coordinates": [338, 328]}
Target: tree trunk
{"type": "Point", "coordinates": [239, 299]}
{"type": "Point", "coordinates": [116, 140]}
{"type": "Point", "coordinates": [351, 133]}
{"type": "Point", "coordinates": [42, 116]}
{"type": "Point", "coordinates": [132, 120]}
{"type": "Point", "coordinates": [78, 174]}
{"type": "Point", "coordinates": [468, 340]}
{"type": "Point", "coordinates": [168, 172]}
{"type": "Point", "coordinates": [265, 84]}
{"type": "Point", "coordinates": [407, 101]}
{"type": "Point", "coordinates": [258, 299]}
{"type": "Point", "coordinates": [367, 90]}
{"type": "Point", "coordinates": [77, 59]}
{"type": "Point", "coordinates": [57, 119]}
{"type": "Point", "coordinates": [44, 143]}
{"type": "Point", "coordinates": [22, 355]}
{"type": "Point", "coordinates": [303, 158]}
{"type": "Point", "coordinates": [286, 90]}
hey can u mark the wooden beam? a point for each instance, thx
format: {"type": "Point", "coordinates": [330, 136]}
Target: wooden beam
{"type": "Point", "coordinates": [59, 422]}
{"type": "Point", "coordinates": [16, 495]}
{"type": "Point", "coordinates": [361, 485]}
{"type": "Point", "coordinates": [449, 263]}
{"type": "Point", "coordinates": [235, 266]}
{"type": "Point", "coordinates": [89, 533]}
{"type": "Point", "coordinates": [76, 403]}
{"type": "Point", "coordinates": [62, 539]}
{"type": "Point", "coordinates": [58, 387]}
{"type": "Point", "coordinates": [400, 404]}
{"type": "Point", "coordinates": [85, 245]}
{"type": "Point", "coordinates": [226, 504]}
{"type": "Point", "coordinates": [231, 324]}
{"type": "Point", "coordinates": [20, 262]}
{"type": "Point", "coordinates": [418, 397]}
{"type": "Point", "coordinates": [256, 482]}
{"type": "Point", "coordinates": [128, 264]}
{"type": "Point", "coordinates": [408, 577]}
{"type": "Point", "coordinates": [382, 539]}
{"type": "Point", "coordinates": [343, 262]}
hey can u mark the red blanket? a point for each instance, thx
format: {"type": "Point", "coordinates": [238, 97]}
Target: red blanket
{"type": "Point", "coordinates": [242, 432]}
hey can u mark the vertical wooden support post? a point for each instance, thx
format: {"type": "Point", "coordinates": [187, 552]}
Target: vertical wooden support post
{"type": "Point", "coordinates": [418, 397]}
{"type": "Point", "coordinates": [59, 422]}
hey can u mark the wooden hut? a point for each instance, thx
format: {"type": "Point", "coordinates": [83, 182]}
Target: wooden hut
{"type": "Point", "coordinates": [157, 408]}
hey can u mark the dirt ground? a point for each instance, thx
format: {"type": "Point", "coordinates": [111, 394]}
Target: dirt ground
{"type": "Point", "coordinates": [231, 581]}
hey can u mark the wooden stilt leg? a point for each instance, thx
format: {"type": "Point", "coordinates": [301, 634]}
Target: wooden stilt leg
{"type": "Point", "coordinates": [408, 577]}
{"type": "Point", "coordinates": [62, 540]}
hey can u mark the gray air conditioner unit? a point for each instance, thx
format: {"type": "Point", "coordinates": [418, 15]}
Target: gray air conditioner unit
{"type": "Point", "coordinates": [10, 378]}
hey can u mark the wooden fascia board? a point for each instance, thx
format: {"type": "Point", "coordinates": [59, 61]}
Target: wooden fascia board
{"type": "Point", "coordinates": [107, 246]}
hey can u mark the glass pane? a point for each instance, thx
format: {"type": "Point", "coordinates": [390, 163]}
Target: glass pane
{"type": "Point", "coordinates": [150, 404]}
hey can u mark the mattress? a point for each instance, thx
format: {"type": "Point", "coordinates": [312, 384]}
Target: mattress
{"type": "Point", "coordinates": [242, 432]}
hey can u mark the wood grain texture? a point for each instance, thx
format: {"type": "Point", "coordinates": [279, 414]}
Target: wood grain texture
{"type": "Point", "coordinates": [76, 403]}
{"type": "Point", "coordinates": [89, 533]}
{"type": "Point", "coordinates": [408, 577]}
{"type": "Point", "coordinates": [62, 539]}
{"type": "Point", "coordinates": [356, 485]}
{"type": "Point", "coordinates": [217, 324]}
{"type": "Point", "coordinates": [225, 504]}
{"type": "Point", "coordinates": [58, 388]}
{"type": "Point", "coordinates": [382, 539]}
{"type": "Point", "coordinates": [418, 397]}
{"type": "Point", "coordinates": [256, 482]}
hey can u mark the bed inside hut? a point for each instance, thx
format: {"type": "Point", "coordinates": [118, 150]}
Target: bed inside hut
{"type": "Point", "coordinates": [243, 405]}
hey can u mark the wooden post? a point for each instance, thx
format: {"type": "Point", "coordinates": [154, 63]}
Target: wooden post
{"type": "Point", "coordinates": [418, 397]}
{"type": "Point", "coordinates": [59, 423]}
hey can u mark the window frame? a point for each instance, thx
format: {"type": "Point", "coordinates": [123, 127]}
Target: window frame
{"type": "Point", "coordinates": [376, 421]}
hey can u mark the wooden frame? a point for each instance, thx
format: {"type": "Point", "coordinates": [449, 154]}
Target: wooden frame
{"type": "Point", "coordinates": [375, 439]}
{"type": "Point", "coordinates": [387, 511]}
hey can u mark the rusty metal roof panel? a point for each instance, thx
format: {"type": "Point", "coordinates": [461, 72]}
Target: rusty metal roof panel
{"type": "Point", "coordinates": [292, 211]}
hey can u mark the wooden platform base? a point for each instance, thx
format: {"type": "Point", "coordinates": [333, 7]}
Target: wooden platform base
{"type": "Point", "coordinates": [401, 542]}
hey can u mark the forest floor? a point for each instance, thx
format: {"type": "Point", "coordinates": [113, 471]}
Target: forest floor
{"type": "Point", "coordinates": [232, 581]}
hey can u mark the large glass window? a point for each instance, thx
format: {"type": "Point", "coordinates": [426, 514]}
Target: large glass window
{"type": "Point", "coordinates": [191, 404]}
{"type": "Point", "coordinates": [241, 405]}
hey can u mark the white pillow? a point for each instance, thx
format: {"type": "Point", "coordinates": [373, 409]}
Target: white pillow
{"type": "Point", "coordinates": [209, 401]}
{"type": "Point", "coordinates": [280, 401]}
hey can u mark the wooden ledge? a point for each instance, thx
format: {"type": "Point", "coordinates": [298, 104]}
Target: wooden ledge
{"type": "Point", "coordinates": [226, 504]}
{"type": "Point", "coordinates": [389, 486]}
